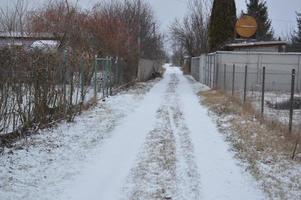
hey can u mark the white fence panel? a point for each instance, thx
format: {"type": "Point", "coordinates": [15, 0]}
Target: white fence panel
{"type": "Point", "coordinates": [212, 69]}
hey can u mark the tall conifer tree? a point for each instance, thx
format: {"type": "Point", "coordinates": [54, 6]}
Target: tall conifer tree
{"type": "Point", "coordinates": [259, 10]}
{"type": "Point", "coordinates": [296, 38]}
{"type": "Point", "coordinates": [222, 22]}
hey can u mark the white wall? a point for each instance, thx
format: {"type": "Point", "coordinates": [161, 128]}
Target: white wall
{"type": "Point", "coordinates": [146, 68]}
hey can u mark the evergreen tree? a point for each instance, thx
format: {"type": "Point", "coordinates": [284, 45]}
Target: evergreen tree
{"type": "Point", "coordinates": [222, 22]}
{"type": "Point", "coordinates": [296, 38]}
{"type": "Point", "coordinates": [259, 10]}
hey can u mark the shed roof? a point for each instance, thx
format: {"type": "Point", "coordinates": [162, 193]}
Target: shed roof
{"type": "Point", "coordinates": [256, 44]}
{"type": "Point", "coordinates": [26, 35]}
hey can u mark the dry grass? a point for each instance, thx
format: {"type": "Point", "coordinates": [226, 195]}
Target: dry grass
{"type": "Point", "coordinates": [273, 133]}
{"type": "Point", "coordinates": [262, 143]}
{"type": "Point", "coordinates": [222, 103]}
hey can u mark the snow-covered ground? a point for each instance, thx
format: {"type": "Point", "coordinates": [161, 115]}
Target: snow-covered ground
{"type": "Point", "coordinates": [159, 144]}
{"type": "Point", "coordinates": [38, 167]}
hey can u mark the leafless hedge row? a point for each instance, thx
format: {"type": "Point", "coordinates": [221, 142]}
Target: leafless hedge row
{"type": "Point", "coordinates": [38, 87]}
{"type": "Point", "coordinates": [121, 28]}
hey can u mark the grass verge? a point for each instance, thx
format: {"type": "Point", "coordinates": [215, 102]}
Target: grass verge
{"type": "Point", "coordinates": [264, 146]}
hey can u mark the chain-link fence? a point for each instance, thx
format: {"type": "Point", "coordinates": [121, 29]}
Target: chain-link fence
{"type": "Point", "coordinates": [271, 82]}
{"type": "Point", "coordinates": [109, 75]}
{"type": "Point", "coordinates": [37, 88]}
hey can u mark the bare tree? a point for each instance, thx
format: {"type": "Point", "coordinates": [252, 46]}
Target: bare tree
{"type": "Point", "coordinates": [118, 27]}
{"type": "Point", "coordinates": [13, 18]}
{"type": "Point", "coordinates": [191, 35]}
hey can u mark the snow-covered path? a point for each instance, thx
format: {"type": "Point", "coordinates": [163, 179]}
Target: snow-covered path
{"type": "Point", "coordinates": [167, 149]}
{"type": "Point", "coordinates": [162, 145]}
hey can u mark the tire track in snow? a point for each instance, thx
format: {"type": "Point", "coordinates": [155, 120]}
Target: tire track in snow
{"type": "Point", "coordinates": [153, 177]}
{"type": "Point", "coordinates": [188, 178]}
{"type": "Point", "coordinates": [166, 167]}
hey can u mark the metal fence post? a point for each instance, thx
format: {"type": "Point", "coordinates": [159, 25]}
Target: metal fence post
{"type": "Point", "coordinates": [111, 75]}
{"type": "Point", "coordinates": [262, 91]}
{"type": "Point", "coordinates": [214, 75]}
{"type": "Point", "coordinates": [245, 83]}
{"type": "Point", "coordinates": [64, 70]}
{"type": "Point", "coordinates": [233, 79]}
{"type": "Point", "coordinates": [95, 77]}
{"type": "Point", "coordinates": [292, 100]}
{"type": "Point", "coordinates": [225, 74]}
{"type": "Point", "coordinates": [82, 80]}
{"type": "Point", "coordinates": [66, 67]}
{"type": "Point", "coordinates": [71, 74]}
{"type": "Point", "coordinates": [298, 75]}
{"type": "Point", "coordinates": [216, 72]}
{"type": "Point", "coordinates": [210, 68]}
{"type": "Point", "coordinates": [107, 68]}
{"type": "Point", "coordinates": [207, 70]}
{"type": "Point", "coordinates": [116, 74]}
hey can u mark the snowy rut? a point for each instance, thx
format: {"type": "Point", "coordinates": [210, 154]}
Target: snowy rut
{"type": "Point", "coordinates": [166, 167]}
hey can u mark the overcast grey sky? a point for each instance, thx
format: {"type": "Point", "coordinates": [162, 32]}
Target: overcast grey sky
{"type": "Point", "coordinates": [281, 12]}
